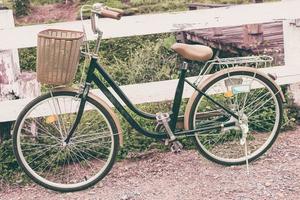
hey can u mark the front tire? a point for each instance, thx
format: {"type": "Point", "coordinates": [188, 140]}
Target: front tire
{"type": "Point", "coordinates": [38, 142]}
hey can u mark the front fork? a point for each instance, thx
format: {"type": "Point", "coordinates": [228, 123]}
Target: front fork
{"type": "Point", "coordinates": [83, 98]}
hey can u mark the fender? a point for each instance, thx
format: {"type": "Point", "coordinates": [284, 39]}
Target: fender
{"type": "Point", "coordinates": [220, 73]}
{"type": "Point", "coordinates": [105, 105]}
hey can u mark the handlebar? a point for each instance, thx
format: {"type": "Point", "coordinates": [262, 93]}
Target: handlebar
{"type": "Point", "coordinates": [105, 11]}
{"type": "Point", "coordinates": [109, 14]}
{"type": "Point", "coordinates": [115, 10]}
{"type": "Point", "coordinates": [97, 10]}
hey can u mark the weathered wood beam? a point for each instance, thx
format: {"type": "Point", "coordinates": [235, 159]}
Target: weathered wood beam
{"type": "Point", "coordinates": [164, 22]}
{"type": "Point", "coordinates": [253, 35]}
{"type": "Point", "coordinates": [257, 1]}
{"type": "Point", "coordinates": [181, 37]}
{"type": "Point", "coordinates": [296, 22]}
{"type": "Point", "coordinates": [13, 83]}
{"type": "Point", "coordinates": [28, 85]}
{"type": "Point", "coordinates": [9, 70]}
{"type": "Point", "coordinates": [156, 92]}
{"type": "Point", "coordinates": [216, 44]}
{"type": "Point", "coordinates": [196, 6]}
{"type": "Point", "coordinates": [292, 54]}
{"type": "Point", "coordinates": [217, 32]}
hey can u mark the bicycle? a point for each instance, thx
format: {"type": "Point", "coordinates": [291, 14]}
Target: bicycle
{"type": "Point", "coordinates": [234, 116]}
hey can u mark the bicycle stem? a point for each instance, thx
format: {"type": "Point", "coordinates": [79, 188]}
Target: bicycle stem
{"type": "Point", "coordinates": [97, 31]}
{"type": "Point", "coordinates": [99, 38]}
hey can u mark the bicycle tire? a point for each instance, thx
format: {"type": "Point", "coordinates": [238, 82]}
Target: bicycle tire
{"type": "Point", "coordinates": [205, 151]}
{"type": "Point", "coordinates": [98, 112]}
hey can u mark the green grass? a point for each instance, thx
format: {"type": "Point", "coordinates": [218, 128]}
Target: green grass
{"type": "Point", "coordinates": [153, 6]}
{"type": "Point", "coordinates": [140, 6]}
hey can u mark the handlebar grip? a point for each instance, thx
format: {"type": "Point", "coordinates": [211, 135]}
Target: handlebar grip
{"type": "Point", "coordinates": [110, 14]}
{"type": "Point", "coordinates": [116, 10]}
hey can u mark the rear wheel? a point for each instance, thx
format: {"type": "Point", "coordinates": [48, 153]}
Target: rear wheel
{"type": "Point", "coordinates": [40, 149]}
{"type": "Point", "coordinates": [257, 102]}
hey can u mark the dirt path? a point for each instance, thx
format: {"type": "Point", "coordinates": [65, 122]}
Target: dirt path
{"type": "Point", "coordinates": [188, 176]}
{"type": "Point", "coordinates": [57, 12]}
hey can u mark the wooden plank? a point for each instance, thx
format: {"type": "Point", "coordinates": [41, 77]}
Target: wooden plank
{"type": "Point", "coordinates": [9, 20]}
{"type": "Point", "coordinates": [156, 92]}
{"type": "Point", "coordinates": [9, 70]}
{"type": "Point", "coordinates": [163, 90]}
{"type": "Point", "coordinates": [164, 22]}
{"type": "Point", "coordinates": [292, 54]}
{"type": "Point", "coordinates": [253, 35]}
{"type": "Point", "coordinates": [9, 59]}
{"type": "Point", "coordinates": [194, 6]}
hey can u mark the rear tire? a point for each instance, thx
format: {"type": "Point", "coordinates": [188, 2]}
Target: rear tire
{"type": "Point", "coordinates": [264, 116]}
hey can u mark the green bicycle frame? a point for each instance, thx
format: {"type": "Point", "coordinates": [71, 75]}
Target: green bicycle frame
{"type": "Point", "coordinates": [92, 78]}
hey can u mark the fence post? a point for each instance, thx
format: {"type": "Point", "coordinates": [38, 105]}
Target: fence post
{"type": "Point", "coordinates": [291, 34]}
{"type": "Point", "coordinates": [9, 71]}
{"type": "Point", "coordinates": [253, 33]}
{"type": "Point", "coordinates": [13, 83]}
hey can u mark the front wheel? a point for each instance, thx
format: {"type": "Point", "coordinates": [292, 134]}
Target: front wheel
{"type": "Point", "coordinates": [258, 104]}
{"type": "Point", "coordinates": [38, 141]}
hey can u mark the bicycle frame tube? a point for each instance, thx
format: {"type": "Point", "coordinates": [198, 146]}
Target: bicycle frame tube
{"type": "Point", "coordinates": [208, 97]}
{"type": "Point", "coordinates": [91, 77]}
{"type": "Point", "coordinates": [177, 100]}
{"type": "Point", "coordinates": [119, 92]}
{"type": "Point", "coordinates": [94, 65]}
{"type": "Point", "coordinates": [116, 88]}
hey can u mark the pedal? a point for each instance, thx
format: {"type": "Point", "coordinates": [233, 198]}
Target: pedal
{"type": "Point", "coordinates": [164, 118]}
{"type": "Point", "coordinates": [176, 147]}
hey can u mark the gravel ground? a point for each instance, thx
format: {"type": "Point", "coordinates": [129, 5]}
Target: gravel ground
{"type": "Point", "coordinates": [51, 12]}
{"type": "Point", "coordinates": [188, 176]}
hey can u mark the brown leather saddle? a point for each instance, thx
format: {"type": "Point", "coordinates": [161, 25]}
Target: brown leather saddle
{"type": "Point", "coordinates": [193, 52]}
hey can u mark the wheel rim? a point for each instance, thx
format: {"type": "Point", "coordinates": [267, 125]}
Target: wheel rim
{"type": "Point", "coordinates": [44, 155]}
{"type": "Point", "coordinates": [226, 147]}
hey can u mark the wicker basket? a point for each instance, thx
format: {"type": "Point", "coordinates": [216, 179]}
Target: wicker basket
{"type": "Point", "coordinates": [58, 53]}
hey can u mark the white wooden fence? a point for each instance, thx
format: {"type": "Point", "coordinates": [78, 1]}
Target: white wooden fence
{"type": "Point", "coordinates": [286, 11]}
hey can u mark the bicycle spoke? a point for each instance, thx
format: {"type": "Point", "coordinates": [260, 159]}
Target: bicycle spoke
{"type": "Point", "coordinates": [43, 129]}
{"type": "Point", "coordinates": [257, 109]}
{"type": "Point", "coordinates": [54, 163]}
{"type": "Point", "coordinates": [90, 140]}
{"type": "Point", "coordinates": [91, 134]}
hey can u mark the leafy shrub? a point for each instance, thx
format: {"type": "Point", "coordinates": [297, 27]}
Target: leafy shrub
{"type": "Point", "coordinates": [9, 168]}
{"type": "Point", "coordinates": [149, 62]}
{"type": "Point", "coordinates": [21, 7]}
{"type": "Point", "coordinates": [139, 59]}
{"type": "Point", "coordinates": [28, 59]}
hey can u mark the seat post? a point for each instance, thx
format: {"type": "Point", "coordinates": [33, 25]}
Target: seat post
{"type": "Point", "coordinates": [184, 65]}
{"type": "Point", "coordinates": [178, 96]}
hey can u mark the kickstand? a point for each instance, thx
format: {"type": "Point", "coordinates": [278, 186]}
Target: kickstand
{"type": "Point", "coordinates": [243, 141]}
{"type": "Point", "coordinates": [246, 155]}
